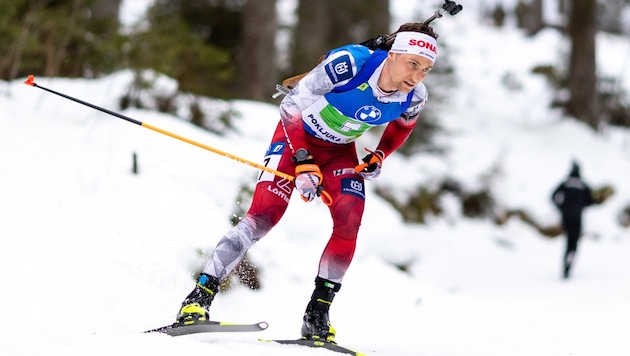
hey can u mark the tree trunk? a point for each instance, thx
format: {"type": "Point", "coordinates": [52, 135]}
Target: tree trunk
{"type": "Point", "coordinates": [360, 20]}
{"type": "Point", "coordinates": [256, 56]}
{"type": "Point", "coordinates": [16, 56]}
{"type": "Point", "coordinates": [327, 24]}
{"type": "Point", "coordinates": [59, 49]}
{"type": "Point", "coordinates": [105, 9]}
{"type": "Point", "coordinates": [582, 78]}
{"type": "Point", "coordinates": [534, 20]}
{"type": "Point", "coordinates": [310, 35]}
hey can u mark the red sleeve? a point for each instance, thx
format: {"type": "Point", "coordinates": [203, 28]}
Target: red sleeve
{"type": "Point", "coordinates": [396, 133]}
{"type": "Point", "coordinates": [293, 129]}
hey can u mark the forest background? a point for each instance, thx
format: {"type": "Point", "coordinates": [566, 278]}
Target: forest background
{"type": "Point", "coordinates": [239, 49]}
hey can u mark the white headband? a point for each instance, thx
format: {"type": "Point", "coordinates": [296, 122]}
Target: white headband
{"type": "Point", "coordinates": [415, 43]}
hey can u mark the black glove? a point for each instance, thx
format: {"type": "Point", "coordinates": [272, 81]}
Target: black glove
{"type": "Point", "coordinates": [371, 166]}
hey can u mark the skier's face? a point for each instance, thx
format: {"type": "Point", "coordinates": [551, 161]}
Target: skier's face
{"type": "Point", "coordinates": [403, 72]}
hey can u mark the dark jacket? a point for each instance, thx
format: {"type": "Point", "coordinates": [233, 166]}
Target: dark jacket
{"type": "Point", "coordinates": [572, 195]}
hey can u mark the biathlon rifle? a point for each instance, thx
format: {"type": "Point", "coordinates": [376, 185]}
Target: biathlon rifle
{"type": "Point", "coordinates": [379, 42]}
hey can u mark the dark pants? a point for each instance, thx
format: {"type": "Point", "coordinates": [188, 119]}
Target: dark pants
{"type": "Point", "coordinates": [572, 226]}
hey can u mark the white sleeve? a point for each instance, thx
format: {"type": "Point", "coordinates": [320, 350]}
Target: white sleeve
{"type": "Point", "coordinates": [334, 71]}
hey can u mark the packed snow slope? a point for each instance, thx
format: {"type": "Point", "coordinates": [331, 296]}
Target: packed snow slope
{"type": "Point", "coordinates": [91, 254]}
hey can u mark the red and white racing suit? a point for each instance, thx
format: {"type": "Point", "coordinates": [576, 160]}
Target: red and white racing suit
{"type": "Point", "coordinates": [307, 121]}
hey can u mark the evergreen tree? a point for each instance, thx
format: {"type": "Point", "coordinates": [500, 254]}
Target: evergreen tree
{"type": "Point", "coordinates": [193, 42]}
{"type": "Point", "coordinates": [57, 38]}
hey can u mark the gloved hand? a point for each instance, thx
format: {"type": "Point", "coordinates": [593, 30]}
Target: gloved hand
{"type": "Point", "coordinates": [308, 177]}
{"type": "Point", "coordinates": [371, 166]}
{"type": "Point", "coordinates": [308, 181]}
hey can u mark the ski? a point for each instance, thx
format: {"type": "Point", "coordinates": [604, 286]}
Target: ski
{"type": "Point", "coordinates": [178, 329]}
{"type": "Point", "coordinates": [332, 346]}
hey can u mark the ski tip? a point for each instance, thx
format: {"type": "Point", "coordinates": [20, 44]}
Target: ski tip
{"type": "Point", "coordinates": [263, 325]}
{"type": "Point", "coordinates": [30, 80]}
{"type": "Point", "coordinates": [163, 329]}
{"type": "Point", "coordinates": [332, 346]}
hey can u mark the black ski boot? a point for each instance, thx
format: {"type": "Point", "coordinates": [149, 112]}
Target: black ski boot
{"type": "Point", "coordinates": [316, 324]}
{"type": "Point", "coordinates": [195, 306]}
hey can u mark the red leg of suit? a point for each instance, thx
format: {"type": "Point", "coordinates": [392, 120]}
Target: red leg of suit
{"type": "Point", "coordinates": [272, 193]}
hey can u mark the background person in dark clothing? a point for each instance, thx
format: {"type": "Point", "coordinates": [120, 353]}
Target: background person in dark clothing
{"type": "Point", "coordinates": [571, 197]}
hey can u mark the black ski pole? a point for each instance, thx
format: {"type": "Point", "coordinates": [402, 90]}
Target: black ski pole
{"type": "Point", "coordinates": [31, 81]}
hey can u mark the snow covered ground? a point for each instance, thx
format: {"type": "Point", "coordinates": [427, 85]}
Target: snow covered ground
{"type": "Point", "coordinates": [91, 255]}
